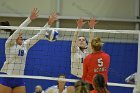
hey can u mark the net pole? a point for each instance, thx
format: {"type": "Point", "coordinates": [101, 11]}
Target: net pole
{"type": "Point", "coordinates": [138, 66]}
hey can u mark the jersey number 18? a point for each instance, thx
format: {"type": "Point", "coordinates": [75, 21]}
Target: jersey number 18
{"type": "Point", "coordinates": [21, 53]}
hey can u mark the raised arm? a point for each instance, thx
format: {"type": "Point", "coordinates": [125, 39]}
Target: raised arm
{"type": "Point", "coordinates": [131, 79]}
{"type": "Point", "coordinates": [80, 24]}
{"type": "Point", "coordinates": [31, 41]}
{"type": "Point", "coordinates": [91, 24]}
{"type": "Point", "coordinates": [12, 39]}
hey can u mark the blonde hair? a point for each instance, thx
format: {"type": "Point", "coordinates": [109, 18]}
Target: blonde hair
{"type": "Point", "coordinates": [39, 87]}
{"type": "Point", "coordinates": [96, 44]}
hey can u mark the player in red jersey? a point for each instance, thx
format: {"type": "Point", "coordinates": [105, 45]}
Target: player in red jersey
{"type": "Point", "coordinates": [99, 84]}
{"type": "Point", "coordinates": [96, 63]}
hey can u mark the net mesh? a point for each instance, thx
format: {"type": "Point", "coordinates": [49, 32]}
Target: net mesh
{"type": "Point", "coordinates": [46, 60]}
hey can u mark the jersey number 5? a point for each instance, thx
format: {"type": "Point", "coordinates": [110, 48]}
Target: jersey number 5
{"type": "Point", "coordinates": [100, 62]}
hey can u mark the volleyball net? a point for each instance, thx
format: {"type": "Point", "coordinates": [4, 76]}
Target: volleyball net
{"type": "Point", "coordinates": [46, 59]}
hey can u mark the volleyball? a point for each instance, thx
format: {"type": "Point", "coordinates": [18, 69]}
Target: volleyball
{"type": "Point", "coordinates": [52, 35]}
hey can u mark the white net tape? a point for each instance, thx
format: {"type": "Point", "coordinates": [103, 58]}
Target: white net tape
{"type": "Point", "coordinates": [72, 29]}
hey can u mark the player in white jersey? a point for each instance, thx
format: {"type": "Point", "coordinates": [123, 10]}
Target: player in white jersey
{"type": "Point", "coordinates": [132, 80]}
{"type": "Point", "coordinates": [16, 51]}
{"type": "Point", "coordinates": [135, 90]}
{"type": "Point", "coordinates": [79, 49]}
{"type": "Point", "coordinates": [59, 88]}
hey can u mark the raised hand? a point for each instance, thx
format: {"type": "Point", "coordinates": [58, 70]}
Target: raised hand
{"type": "Point", "coordinates": [80, 23]}
{"type": "Point", "coordinates": [34, 14]}
{"type": "Point", "coordinates": [52, 18]}
{"type": "Point", "coordinates": [92, 23]}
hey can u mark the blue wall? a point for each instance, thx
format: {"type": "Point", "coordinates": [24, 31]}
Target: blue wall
{"type": "Point", "coordinates": [53, 58]}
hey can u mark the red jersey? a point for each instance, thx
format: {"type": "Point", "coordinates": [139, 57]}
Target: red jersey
{"type": "Point", "coordinates": [96, 63]}
{"type": "Point", "coordinates": [95, 91]}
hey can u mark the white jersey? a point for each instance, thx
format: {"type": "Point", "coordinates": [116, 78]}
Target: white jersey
{"type": "Point", "coordinates": [77, 59]}
{"type": "Point", "coordinates": [16, 54]}
{"type": "Point", "coordinates": [41, 92]}
{"type": "Point", "coordinates": [54, 89]}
